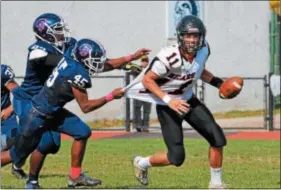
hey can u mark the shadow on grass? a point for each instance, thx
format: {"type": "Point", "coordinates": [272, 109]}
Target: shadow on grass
{"type": "Point", "coordinates": [53, 175]}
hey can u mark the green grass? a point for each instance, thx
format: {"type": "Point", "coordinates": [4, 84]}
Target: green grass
{"type": "Point", "coordinates": [246, 113]}
{"type": "Point", "coordinates": [247, 164]}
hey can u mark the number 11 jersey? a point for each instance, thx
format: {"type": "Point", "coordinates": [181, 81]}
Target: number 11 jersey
{"type": "Point", "coordinates": [177, 75]}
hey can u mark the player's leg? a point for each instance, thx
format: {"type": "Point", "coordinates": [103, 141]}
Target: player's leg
{"type": "Point", "coordinates": [171, 126]}
{"type": "Point", "coordinates": [146, 114]}
{"type": "Point", "coordinates": [28, 138]}
{"type": "Point", "coordinates": [73, 126]}
{"type": "Point", "coordinates": [137, 115]}
{"type": "Point", "coordinates": [10, 128]}
{"type": "Point", "coordinates": [201, 119]}
{"type": "Point", "coordinates": [49, 144]}
{"type": "Point", "coordinates": [6, 142]}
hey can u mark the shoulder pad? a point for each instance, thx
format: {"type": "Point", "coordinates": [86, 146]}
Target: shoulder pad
{"type": "Point", "coordinates": [37, 53]}
{"type": "Point", "coordinates": [72, 41]}
{"type": "Point", "coordinates": [169, 55]}
{"type": "Point", "coordinates": [205, 49]}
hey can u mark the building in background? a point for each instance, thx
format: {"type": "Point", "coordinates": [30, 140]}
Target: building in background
{"type": "Point", "coordinates": [239, 41]}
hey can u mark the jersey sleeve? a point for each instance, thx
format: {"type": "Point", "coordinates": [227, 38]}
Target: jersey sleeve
{"type": "Point", "coordinates": [209, 49]}
{"type": "Point", "coordinates": [37, 52]}
{"type": "Point", "coordinates": [7, 75]}
{"type": "Point", "coordinates": [158, 67]}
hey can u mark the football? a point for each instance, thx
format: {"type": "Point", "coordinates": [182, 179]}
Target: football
{"type": "Point", "coordinates": [231, 87]}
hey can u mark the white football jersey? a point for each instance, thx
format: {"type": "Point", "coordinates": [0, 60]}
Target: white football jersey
{"type": "Point", "coordinates": [177, 75]}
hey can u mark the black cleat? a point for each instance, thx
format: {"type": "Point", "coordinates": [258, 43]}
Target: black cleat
{"type": "Point", "coordinates": [19, 173]}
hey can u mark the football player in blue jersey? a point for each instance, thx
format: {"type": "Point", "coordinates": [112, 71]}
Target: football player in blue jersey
{"type": "Point", "coordinates": [69, 80]}
{"type": "Point", "coordinates": [9, 124]}
{"type": "Point", "coordinates": [52, 42]}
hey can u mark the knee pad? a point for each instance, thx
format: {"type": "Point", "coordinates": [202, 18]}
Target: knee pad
{"type": "Point", "coordinates": [49, 148]}
{"type": "Point", "coordinates": [49, 143]}
{"type": "Point", "coordinates": [218, 141]}
{"type": "Point", "coordinates": [176, 155]}
{"type": "Point", "coordinates": [83, 134]}
{"type": "Point", "coordinates": [23, 146]}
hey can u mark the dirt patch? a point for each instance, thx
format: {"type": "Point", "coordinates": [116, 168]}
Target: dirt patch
{"type": "Point", "coordinates": [100, 134]}
{"type": "Point", "coordinates": [260, 135]}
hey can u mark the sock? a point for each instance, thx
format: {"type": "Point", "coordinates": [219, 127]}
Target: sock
{"type": "Point", "coordinates": [32, 178]}
{"type": "Point", "coordinates": [75, 172]}
{"type": "Point", "coordinates": [216, 175]}
{"type": "Point", "coordinates": [144, 162]}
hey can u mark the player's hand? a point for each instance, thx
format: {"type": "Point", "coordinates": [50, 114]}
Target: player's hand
{"type": "Point", "coordinates": [6, 112]}
{"type": "Point", "coordinates": [118, 93]}
{"type": "Point", "coordinates": [140, 53]}
{"type": "Point", "coordinates": [180, 106]}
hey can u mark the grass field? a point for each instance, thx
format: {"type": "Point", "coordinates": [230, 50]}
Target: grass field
{"type": "Point", "coordinates": [247, 164]}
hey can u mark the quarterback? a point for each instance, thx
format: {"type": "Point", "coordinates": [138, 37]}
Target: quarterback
{"type": "Point", "coordinates": [168, 82]}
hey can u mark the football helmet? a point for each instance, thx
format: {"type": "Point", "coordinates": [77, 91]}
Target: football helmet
{"type": "Point", "coordinates": [190, 25]}
{"type": "Point", "coordinates": [51, 28]}
{"type": "Point", "coordinates": [91, 54]}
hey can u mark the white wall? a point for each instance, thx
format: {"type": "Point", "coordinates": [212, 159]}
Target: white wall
{"type": "Point", "coordinates": [237, 33]}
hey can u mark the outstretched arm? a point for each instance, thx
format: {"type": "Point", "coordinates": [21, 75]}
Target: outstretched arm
{"type": "Point", "coordinates": [112, 64]}
{"type": "Point", "coordinates": [87, 105]}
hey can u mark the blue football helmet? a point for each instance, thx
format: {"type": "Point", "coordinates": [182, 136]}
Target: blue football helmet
{"type": "Point", "coordinates": [51, 28]}
{"type": "Point", "coordinates": [91, 54]}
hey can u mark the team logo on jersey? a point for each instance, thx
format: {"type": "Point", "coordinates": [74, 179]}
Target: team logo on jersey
{"type": "Point", "coordinates": [41, 24]}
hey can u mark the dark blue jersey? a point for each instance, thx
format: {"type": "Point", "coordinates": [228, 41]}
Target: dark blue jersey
{"type": "Point", "coordinates": [41, 60]}
{"type": "Point", "coordinates": [69, 51]}
{"type": "Point", "coordinates": [57, 90]}
{"type": "Point", "coordinates": [7, 75]}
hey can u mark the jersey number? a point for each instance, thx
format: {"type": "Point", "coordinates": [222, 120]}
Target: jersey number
{"type": "Point", "coordinates": [9, 72]}
{"type": "Point", "coordinates": [62, 65]}
{"type": "Point", "coordinates": [80, 81]}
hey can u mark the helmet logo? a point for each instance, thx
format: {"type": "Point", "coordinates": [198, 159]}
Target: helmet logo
{"type": "Point", "coordinates": [193, 30]}
{"type": "Point", "coordinates": [41, 24]}
{"type": "Point", "coordinates": [84, 50]}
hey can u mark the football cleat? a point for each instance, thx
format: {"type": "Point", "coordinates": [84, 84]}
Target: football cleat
{"type": "Point", "coordinates": [32, 185]}
{"type": "Point", "coordinates": [220, 186]}
{"type": "Point", "coordinates": [141, 174]}
{"type": "Point", "coordinates": [83, 180]}
{"type": "Point", "coordinates": [19, 173]}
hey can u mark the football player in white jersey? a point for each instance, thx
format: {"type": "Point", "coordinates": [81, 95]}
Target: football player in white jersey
{"type": "Point", "coordinates": [168, 82]}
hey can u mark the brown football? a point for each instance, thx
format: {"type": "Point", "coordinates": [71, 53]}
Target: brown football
{"type": "Point", "coordinates": [231, 87]}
